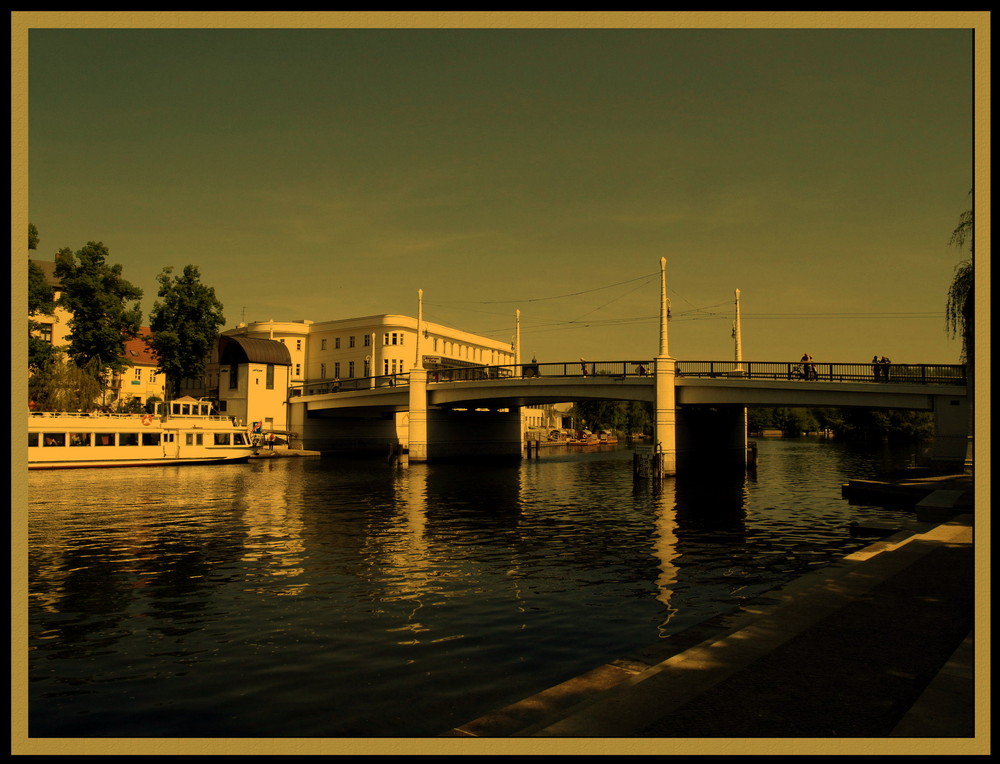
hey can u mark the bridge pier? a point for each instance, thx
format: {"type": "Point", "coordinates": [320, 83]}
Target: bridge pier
{"type": "Point", "coordinates": [950, 449]}
{"type": "Point", "coordinates": [665, 415]}
{"type": "Point", "coordinates": [417, 435]}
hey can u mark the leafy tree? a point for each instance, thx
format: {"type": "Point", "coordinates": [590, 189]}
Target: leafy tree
{"type": "Point", "coordinates": [960, 306]}
{"type": "Point", "coordinates": [617, 416]}
{"type": "Point", "coordinates": [185, 325]}
{"type": "Point", "coordinates": [41, 301]}
{"type": "Point", "coordinates": [62, 386]}
{"type": "Point", "coordinates": [96, 295]}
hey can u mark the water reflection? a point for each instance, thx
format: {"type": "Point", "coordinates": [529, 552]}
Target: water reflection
{"type": "Point", "coordinates": [270, 503]}
{"type": "Point", "coordinates": [310, 597]}
{"type": "Point", "coordinates": [665, 550]}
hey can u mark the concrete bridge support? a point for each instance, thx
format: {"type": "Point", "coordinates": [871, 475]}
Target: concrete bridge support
{"type": "Point", "coordinates": [950, 449]}
{"type": "Point", "coordinates": [418, 416]}
{"type": "Point", "coordinates": [665, 414]}
{"type": "Point", "coordinates": [712, 437]}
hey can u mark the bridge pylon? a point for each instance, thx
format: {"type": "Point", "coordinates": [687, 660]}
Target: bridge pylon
{"type": "Point", "coordinates": [665, 414]}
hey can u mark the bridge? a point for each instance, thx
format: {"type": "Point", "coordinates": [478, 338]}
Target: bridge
{"type": "Point", "coordinates": [699, 407]}
{"type": "Point", "coordinates": [710, 397]}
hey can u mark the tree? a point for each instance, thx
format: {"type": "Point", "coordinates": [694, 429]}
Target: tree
{"type": "Point", "coordinates": [62, 386]}
{"type": "Point", "coordinates": [96, 295]}
{"type": "Point", "coordinates": [41, 301]}
{"type": "Point", "coordinates": [959, 310]}
{"type": "Point", "coordinates": [185, 325]}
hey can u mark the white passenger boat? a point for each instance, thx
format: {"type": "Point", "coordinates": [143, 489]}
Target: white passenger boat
{"type": "Point", "coordinates": [184, 431]}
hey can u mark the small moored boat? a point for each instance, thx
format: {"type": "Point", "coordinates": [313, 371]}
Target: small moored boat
{"type": "Point", "coordinates": [183, 431]}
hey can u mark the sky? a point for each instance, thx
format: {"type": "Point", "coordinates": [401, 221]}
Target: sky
{"type": "Point", "coordinates": [327, 173]}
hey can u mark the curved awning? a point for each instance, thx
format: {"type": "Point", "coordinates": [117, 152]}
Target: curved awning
{"type": "Point", "coordinates": [249, 350]}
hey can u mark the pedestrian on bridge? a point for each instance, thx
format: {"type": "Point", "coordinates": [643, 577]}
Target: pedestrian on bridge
{"type": "Point", "coordinates": [808, 367]}
{"type": "Point", "coordinates": [885, 363]}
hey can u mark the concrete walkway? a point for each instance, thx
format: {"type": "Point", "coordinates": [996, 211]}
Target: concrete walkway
{"type": "Point", "coordinates": [877, 647]}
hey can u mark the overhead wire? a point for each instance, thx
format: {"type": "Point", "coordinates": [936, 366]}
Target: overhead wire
{"type": "Point", "coordinates": [695, 313]}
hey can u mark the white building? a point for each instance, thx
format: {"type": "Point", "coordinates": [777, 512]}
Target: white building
{"type": "Point", "coordinates": [369, 347]}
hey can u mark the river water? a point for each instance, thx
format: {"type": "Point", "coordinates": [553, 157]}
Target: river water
{"type": "Point", "coordinates": [323, 597]}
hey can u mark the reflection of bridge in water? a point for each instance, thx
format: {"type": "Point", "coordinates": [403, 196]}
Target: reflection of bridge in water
{"type": "Point", "coordinates": [708, 400]}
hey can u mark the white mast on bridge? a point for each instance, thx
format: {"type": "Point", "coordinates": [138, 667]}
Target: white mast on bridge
{"type": "Point", "coordinates": [737, 335]}
{"type": "Point", "coordinates": [420, 329]}
{"type": "Point", "coordinates": [517, 337]}
{"type": "Point", "coordinates": [663, 307]}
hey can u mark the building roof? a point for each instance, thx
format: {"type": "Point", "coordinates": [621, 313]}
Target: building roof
{"type": "Point", "coordinates": [251, 350]}
{"type": "Point", "coordinates": [48, 269]}
{"type": "Point", "coordinates": [136, 350]}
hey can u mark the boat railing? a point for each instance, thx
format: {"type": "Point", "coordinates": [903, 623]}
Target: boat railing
{"type": "Point", "coordinates": [84, 414]}
{"type": "Point", "coordinates": [124, 417]}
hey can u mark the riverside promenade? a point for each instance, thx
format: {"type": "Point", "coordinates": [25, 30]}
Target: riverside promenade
{"type": "Point", "coordinates": [877, 649]}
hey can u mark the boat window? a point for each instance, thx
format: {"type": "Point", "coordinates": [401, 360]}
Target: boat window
{"type": "Point", "coordinates": [55, 439]}
{"type": "Point", "coordinates": [238, 439]}
{"type": "Point", "coordinates": [185, 409]}
{"type": "Point", "coordinates": [79, 439]}
{"type": "Point", "coordinates": [193, 438]}
{"type": "Point", "coordinates": [151, 439]}
{"type": "Point", "coordinates": [128, 439]}
{"type": "Point", "coordinates": [104, 438]}
{"type": "Point", "coordinates": [32, 439]}
{"type": "Point", "coordinates": [222, 438]}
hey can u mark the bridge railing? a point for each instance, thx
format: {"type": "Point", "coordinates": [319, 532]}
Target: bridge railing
{"type": "Point", "coordinates": [774, 370]}
{"type": "Point", "coordinates": [532, 370]}
{"type": "Point", "coordinates": [939, 374]}
{"type": "Point", "coordinates": [326, 386]}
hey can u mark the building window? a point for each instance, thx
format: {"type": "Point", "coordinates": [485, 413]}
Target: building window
{"type": "Point", "coordinates": [138, 374]}
{"type": "Point", "coordinates": [336, 343]}
{"type": "Point", "coordinates": [322, 344]}
{"type": "Point", "coordinates": [350, 341]}
{"type": "Point", "coordinates": [322, 371]}
{"type": "Point", "coordinates": [298, 370]}
{"type": "Point", "coordinates": [269, 377]}
{"type": "Point", "coordinates": [234, 376]}
{"type": "Point", "coordinates": [350, 369]}
{"type": "Point", "coordinates": [45, 332]}
{"type": "Point", "coordinates": [336, 369]}
{"type": "Point", "coordinates": [368, 340]}
{"type": "Point", "coordinates": [298, 344]}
